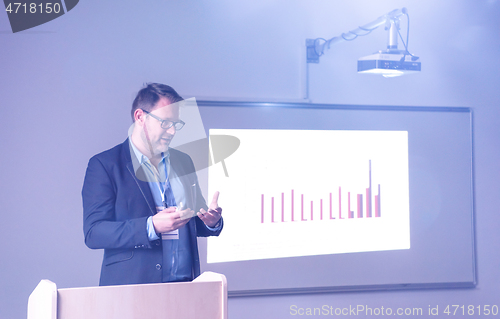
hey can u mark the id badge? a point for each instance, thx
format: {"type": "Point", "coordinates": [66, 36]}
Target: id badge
{"type": "Point", "coordinates": [174, 234]}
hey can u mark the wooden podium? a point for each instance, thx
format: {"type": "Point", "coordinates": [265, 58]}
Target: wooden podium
{"type": "Point", "coordinates": [205, 297]}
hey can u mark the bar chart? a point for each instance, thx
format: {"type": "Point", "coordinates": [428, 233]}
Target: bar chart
{"type": "Point", "coordinates": [324, 210]}
{"type": "Point", "coordinates": [298, 193]}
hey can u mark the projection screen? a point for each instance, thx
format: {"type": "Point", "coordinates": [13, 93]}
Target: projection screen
{"type": "Point", "coordinates": [322, 198]}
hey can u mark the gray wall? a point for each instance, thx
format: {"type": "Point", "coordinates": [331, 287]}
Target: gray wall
{"type": "Point", "coordinates": [66, 88]}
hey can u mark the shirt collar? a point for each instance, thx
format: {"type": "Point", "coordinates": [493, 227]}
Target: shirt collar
{"type": "Point", "coordinates": [141, 158]}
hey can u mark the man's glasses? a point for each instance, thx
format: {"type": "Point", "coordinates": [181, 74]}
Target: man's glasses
{"type": "Point", "coordinates": [166, 124]}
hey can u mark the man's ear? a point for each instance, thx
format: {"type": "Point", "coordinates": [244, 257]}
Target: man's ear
{"type": "Point", "coordinates": [139, 117]}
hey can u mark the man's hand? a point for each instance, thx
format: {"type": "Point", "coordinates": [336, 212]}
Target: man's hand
{"type": "Point", "coordinates": [212, 217]}
{"type": "Point", "coordinates": [170, 219]}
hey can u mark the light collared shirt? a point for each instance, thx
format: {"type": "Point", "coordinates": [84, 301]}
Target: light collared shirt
{"type": "Point", "coordinates": [175, 183]}
{"type": "Point", "coordinates": [155, 177]}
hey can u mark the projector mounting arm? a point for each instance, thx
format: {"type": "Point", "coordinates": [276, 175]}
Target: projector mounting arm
{"type": "Point", "coordinates": [315, 49]}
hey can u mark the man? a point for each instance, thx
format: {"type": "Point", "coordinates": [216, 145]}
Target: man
{"type": "Point", "coordinates": [139, 199]}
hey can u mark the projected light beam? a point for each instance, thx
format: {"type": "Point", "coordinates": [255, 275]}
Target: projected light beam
{"type": "Point", "coordinates": [223, 146]}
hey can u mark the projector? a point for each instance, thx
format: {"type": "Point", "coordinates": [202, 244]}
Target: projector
{"type": "Point", "coordinates": [389, 63]}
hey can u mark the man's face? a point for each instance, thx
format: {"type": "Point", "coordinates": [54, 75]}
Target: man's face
{"type": "Point", "coordinates": [156, 138]}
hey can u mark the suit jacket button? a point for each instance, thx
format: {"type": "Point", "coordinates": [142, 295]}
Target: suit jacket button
{"type": "Point", "coordinates": [158, 267]}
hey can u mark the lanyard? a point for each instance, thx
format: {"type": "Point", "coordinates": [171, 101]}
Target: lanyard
{"type": "Point", "coordinates": [162, 186]}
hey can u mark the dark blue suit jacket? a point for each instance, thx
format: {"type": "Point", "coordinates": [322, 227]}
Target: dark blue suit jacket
{"type": "Point", "coordinates": [116, 206]}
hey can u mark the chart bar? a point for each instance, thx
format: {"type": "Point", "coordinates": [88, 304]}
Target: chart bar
{"type": "Point", "coordinates": [262, 206]}
{"type": "Point", "coordinates": [377, 203]}
{"type": "Point", "coordinates": [360, 205]}
{"type": "Point", "coordinates": [282, 207]}
{"type": "Point", "coordinates": [272, 209]}
{"type": "Point", "coordinates": [321, 209]}
{"type": "Point", "coordinates": [369, 191]}
{"type": "Point", "coordinates": [302, 208]}
{"type": "Point", "coordinates": [340, 203]}
{"type": "Point", "coordinates": [331, 207]}
{"type": "Point", "coordinates": [312, 215]}
{"type": "Point", "coordinates": [350, 213]}
{"type": "Point", "coordinates": [368, 204]}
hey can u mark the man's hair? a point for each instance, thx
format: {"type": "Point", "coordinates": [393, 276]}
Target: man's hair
{"type": "Point", "coordinates": [147, 97]}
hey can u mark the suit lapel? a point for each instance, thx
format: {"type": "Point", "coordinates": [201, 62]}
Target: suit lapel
{"type": "Point", "coordinates": [139, 176]}
{"type": "Point", "coordinates": [183, 174]}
